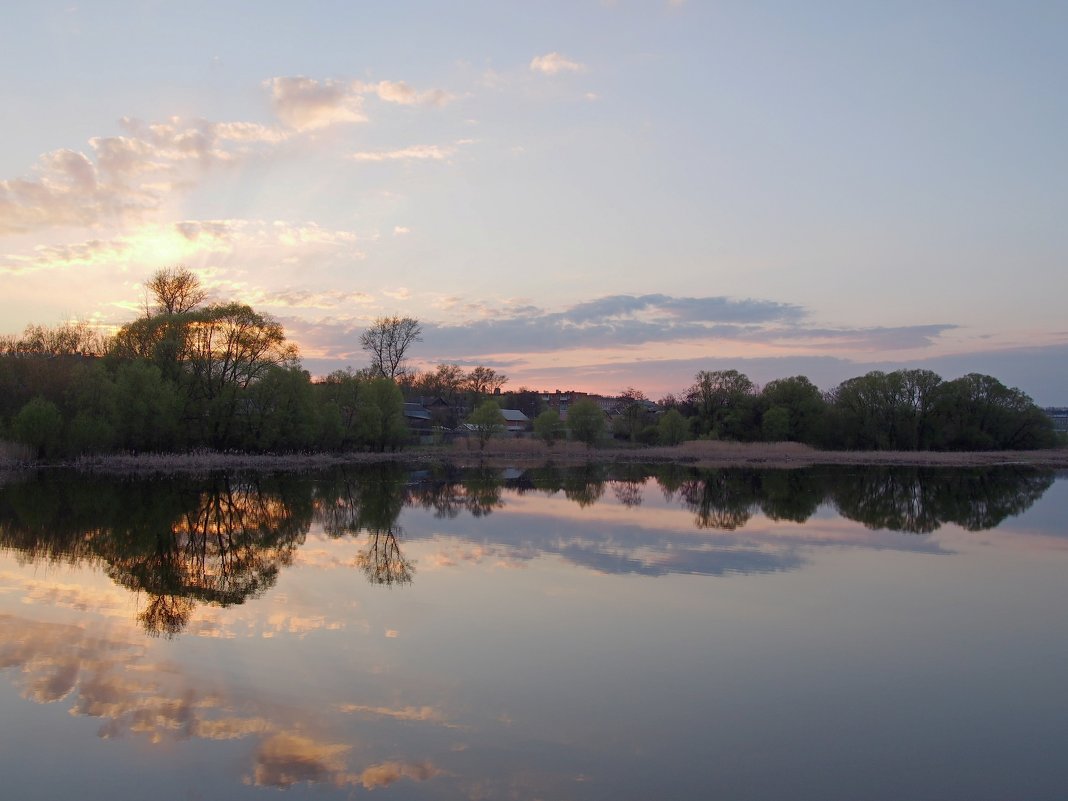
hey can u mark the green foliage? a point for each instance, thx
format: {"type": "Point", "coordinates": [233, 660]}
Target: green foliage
{"type": "Point", "coordinates": [586, 421]}
{"type": "Point", "coordinates": [338, 397]}
{"type": "Point", "coordinates": [223, 375]}
{"type": "Point", "coordinates": [214, 354]}
{"type": "Point", "coordinates": [547, 427]}
{"type": "Point", "coordinates": [39, 425]}
{"type": "Point", "coordinates": [915, 409]}
{"type": "Point", "coordinates": [775, 425]}
{"type": "Point", "coordinates": [487, 420]}
{"type": "Point", "coordinates": [634, 417]}
{"type": "Point", "coordinates": [89, 433]}
{"type": "Point", "coordinates": [978, 412]}
{"type": "Point", "coordinates": [797, 411]}
{"type": "Point", "coordinates": [150, 408]}
{"type": "Point", "coordinates": [280, 411]}
{"type": "Point", "coordinates": [672, 428]}
{"type": "Point", "coordinates": [723, 403]}
{"type": "Point", "coordinates": [380, 415]}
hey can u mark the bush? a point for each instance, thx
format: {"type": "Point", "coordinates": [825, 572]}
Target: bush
{"type": "Point", "coordinates": [40, 426]}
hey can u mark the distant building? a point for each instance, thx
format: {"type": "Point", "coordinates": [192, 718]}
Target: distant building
{"type": "Point", "coordinates": [1059, 416]}
{"type": "Point", "coordinates": [561, 401]}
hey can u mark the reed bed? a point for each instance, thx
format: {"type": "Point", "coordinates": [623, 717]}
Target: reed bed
{"type": "Point", "coordinates": [526, 452]}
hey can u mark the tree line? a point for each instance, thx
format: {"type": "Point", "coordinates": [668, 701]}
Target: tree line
{"type": "Point", "coordinates": [190, 374]}
{"type": "Point", "coordinates": [186, 374]}
{"type": "Point", "coordinates": [905, 410]}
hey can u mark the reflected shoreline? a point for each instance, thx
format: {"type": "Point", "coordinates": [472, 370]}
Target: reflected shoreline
{"type": "Point", "coordinates": [224, 539]}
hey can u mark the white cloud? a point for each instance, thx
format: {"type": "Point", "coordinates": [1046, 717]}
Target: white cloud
{"type": "Point", "coordinates": [411, 153]}
{"type": "Point", "coordinates": [554, 63]}
{"type": "Point", "coordinates": [401, 230]}
{"type": "Point", "coordinates": [123, 177]}
{"type": "Point", "coordinates": [400, 92]}
{"type": "Point", "coordinates": [307, 104]}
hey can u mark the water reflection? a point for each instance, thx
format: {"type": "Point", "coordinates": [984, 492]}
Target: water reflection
{"type": "Point", "coordinates": [223, 540]}
{"type": "Point", "coordinates": [113, 679]}
{"type": "Point", "coordinates": [179, 542]}
{"type": "Point", "coordinates": [474, 680]}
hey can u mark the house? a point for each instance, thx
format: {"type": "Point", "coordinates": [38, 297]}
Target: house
{"type": "Point", "coordinates": [417, 416]}
{"type": "Point", "coordinates": [515, 421]}
{"type": "Point", "coordinates": [443, 414]}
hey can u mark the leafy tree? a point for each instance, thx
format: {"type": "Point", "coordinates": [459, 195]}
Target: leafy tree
{"type": "Point", "coordinates": [487, 420]}
{"type": "Point", "coordinates": [861, 412]}
{"type": "Point", "coordinates": [775, 424]}
{"type": "Point", "coordinates": [794, 410]}
{"type": "Point", "coordinates": [39, 425]}
{"type": "Point", "coordinates": [387, 341]}
{"type": "Point", "coordinates": [339, 401]}
{"type": "Point", "coordinates": [380, 415]}
{"type": "Point", "coordinates": [547, 426]}
{"type": "Point", "coordinates": [228, 347]}
{"type": "Point", "coordinates": [92, 399]}
{"type": "Point", "coordinates": [672, 428]}
{"type": "Point", "coordinates": [722, 402]}
{"type": "Point", "coordinates": [635, 415]}
{"type": "Point", "coordinates": [150, 408]}
{"type": "Point", "coordinates": [978, 412]}
{"type": "Point", "coordinates": [280, 411]}
{"type": "Point", "coordinates": [586, 421]}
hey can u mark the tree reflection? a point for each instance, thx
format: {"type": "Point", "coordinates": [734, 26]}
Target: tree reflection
{"type": "Point", "coordinates": [382, 561]}
{"type": "Point", "coordinates": [182, 542]}
{"type": "Point", "coordinates": [921, 500]}
{"type": "Point", "coordinates": [584, 485]}
{"type": "Point", "coordinates": [227, 546]}
{"type": "Point", "coordinates": [369, 500]}
{"type": "Point", "coordinates": [722, 499]}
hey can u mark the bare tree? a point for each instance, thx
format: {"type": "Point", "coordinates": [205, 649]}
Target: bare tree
{"type": "Point", "coordinates": [485, 380]}
{"type": "Point", "coordinates": [176, 290]}
{"type": "Point", "coordinates": [388, 340]}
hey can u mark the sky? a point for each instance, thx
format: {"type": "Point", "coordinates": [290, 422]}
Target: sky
{"type": "Point", "coordinates": [589, 195]}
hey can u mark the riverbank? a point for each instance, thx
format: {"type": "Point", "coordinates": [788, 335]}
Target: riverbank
{"type": "Point", "coordinates": [529, 453]}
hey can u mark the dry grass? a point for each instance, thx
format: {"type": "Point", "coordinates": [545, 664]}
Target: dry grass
{"type": "Point", "coordinates": [705, 453]}
{"type": "Point", "coordinates": [509, 452]}
{"type": "Point", "coordinates": [14, 456]}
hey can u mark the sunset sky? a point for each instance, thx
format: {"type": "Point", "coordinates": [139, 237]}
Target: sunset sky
{"type": "Point", "coordinates": [586, 194]}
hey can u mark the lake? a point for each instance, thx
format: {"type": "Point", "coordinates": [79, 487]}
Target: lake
{"type": "Point", "coordinates": [623, 632]}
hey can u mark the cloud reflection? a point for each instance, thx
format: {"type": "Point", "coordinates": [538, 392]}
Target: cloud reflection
{"type": "Point", "coordinates": [110, 677]}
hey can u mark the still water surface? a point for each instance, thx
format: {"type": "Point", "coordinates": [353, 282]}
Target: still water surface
{"type": "Point", "coordinates": [637, 633]}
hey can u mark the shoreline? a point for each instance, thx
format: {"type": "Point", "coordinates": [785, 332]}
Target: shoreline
{"type": "Point", "coordinates": [531, 453]}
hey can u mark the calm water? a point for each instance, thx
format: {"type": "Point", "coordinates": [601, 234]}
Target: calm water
{"type": "Point", "coordinates": [571, 634]}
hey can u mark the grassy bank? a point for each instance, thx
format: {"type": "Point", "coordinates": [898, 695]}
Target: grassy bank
{"type": "Point", "coordinates": [527, 452]}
